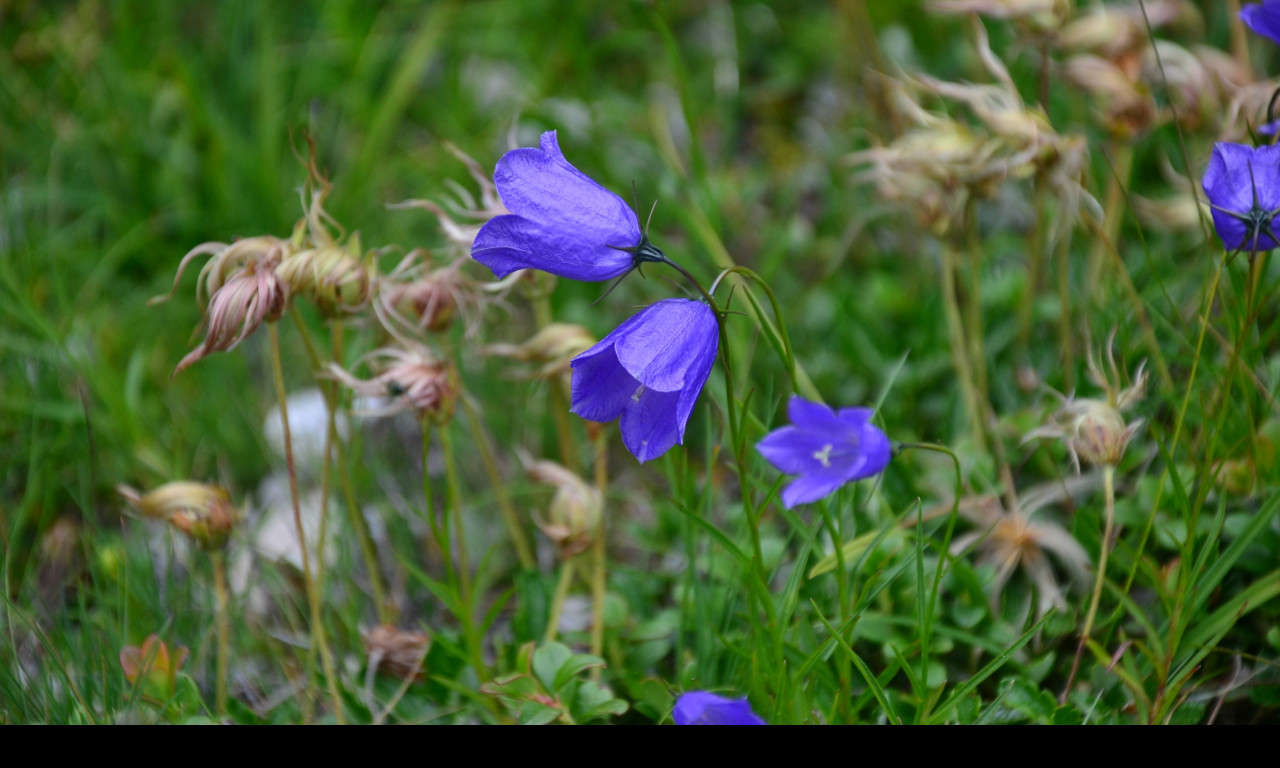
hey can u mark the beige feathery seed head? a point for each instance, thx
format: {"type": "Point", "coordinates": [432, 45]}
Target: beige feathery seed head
{"type": "Point", "coordinates": [201, 511]}
{"type": "Point", "coordinates": [1128, 108]}
{"type": "Point", "coordinates": [552, 349]}
{"type": "Point", "coordinates": [405, 378]}
{"type": "Point", "coordinates": [1094, 430]}
{"type": "Point", "coordinates": [1039, 16]}
{"type": "Point", "coordinates": [466, 207]}
{"type": "Point", "coordinates": [1010, 540]}
{"type": "Point", "coordinates": [574, 515]}
{"type": "Point", "coordinates": [397, 652]}
{"type": "Point", "coordinates": [414, 298]}
{"type": "Point", "coordinates": [335, 275]}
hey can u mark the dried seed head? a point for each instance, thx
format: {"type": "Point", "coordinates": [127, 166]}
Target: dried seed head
{"type": "Point", "coordinates": [237, 308]}
{"type": "Point", "coordinates": [397, 652]}
{"type": "Point", "coordinates": [551, 349]}
{"type": "Point", "coordinates": [405, 379]}
{"type": "Point", "coordinates": [573, 518]}
{"type": "Point", "coordinates": [489, 205]}
{"type": "Point", "coordinates": [1039, 16]}
{"type": "Point", "coordinates": [414, 299]}
{"type": "Point", "coordinates": [334, 277]}
{"type": "Point", "coordinates": [1128, 107]}
{"type": "Point", "coordinates": [203, 512]}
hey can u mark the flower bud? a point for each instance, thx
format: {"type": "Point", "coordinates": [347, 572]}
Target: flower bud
{"type": "Point", "coordinates": [574, 515]}
{"type": "Point", "coordinates": [332, 276]}
{"type": "Point", "coordinates": [201, 511]}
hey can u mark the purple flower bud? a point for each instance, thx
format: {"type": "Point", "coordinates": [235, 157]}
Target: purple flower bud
{"type": "Point", "coordinates": [561, 221]}
{"type": "Point", "coordinates": [1243, 187]}
{"type": "Point", "coordinates": [702, 708]}
{"type": "Point", "coordinates": [1263, 18]}
{"type": "Point", "coordinates": [825, 448]}
{"type": "Point", "coordinates": [649, 371]}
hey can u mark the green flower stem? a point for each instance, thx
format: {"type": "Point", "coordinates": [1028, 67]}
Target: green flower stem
{"type": "Point", "coordinates": [1210, 296]}
{"type": "Point", "coordinates": [224, 630]}
{"type": "Point", "coordinates": [599, 573]}
{"type": "Point", "coordinates": [557, 600]}
{"type": "Point", "coordinates": [540, 299]}
{"type": "Point", "coordinates": [1066, 347]}
{"type": "Point", "coordinates": [1108, 488]}
{"type": "Point", "coordinates": [453, 502]}
{"type": "Point", "coordinates": [973, 324]}
{"type": "Point", "coordinates": [330, 392]}
{"type": "Point", "coordinates": [523, 550]}
{"type": "Point", "coordinates": [1114, 208]}
{"type": "Point", "coordinates": [844, 668]}
{"type": "Point", "coordinates": [313, 597]}
{"type": "Point", "coordinates": [778, 336]}
{"type": "Point", "coordinates": [926, 621]}
{"type": "Point", "coordinates": [959, 347]}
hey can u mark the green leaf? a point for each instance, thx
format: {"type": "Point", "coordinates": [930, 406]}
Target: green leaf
{"type": "Point", "coordinates": [571, 668]}
{"type": "Point", "coordinates": [535, 713]}
{"type": "Point", "coordinates": [547, 661]}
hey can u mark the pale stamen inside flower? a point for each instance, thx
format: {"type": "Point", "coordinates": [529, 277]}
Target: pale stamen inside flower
{"type": "Point", "coordinates": [824, 455]}
{"type": "Point", "coordinates": [639, 391]}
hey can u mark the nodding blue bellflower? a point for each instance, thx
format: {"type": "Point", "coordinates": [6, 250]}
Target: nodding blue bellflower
{"type": "Point", "coordinates": [1243, 187]}
{"type": "Point", "coordinates": [702, 708]}
{"type": "Point", "coordinates": [1263, 18]}
{"type": "Point", "coordinates": [561, 221]}
{"type": "Point", "coordinates": [825, 448]}
{"type": "Point", "coordinates": [649, 371]}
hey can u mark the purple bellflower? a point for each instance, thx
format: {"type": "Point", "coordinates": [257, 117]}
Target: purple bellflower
{"type": "Point", "coordinates": [825, 448]}
{"type": "Point", "coordinates": [1263, 18]}
{"type": "Point", "coordinates": [561, 221]}
{"type": "Point", "coordinates": [649, 371]}
{"type": "Point", "coordinates": [1243, 187]}
{"type": "Point", "coordinates": [702, 708]}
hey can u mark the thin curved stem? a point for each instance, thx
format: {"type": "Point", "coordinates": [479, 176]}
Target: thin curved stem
{"type": "Point", "coordinates": [1108, 487]}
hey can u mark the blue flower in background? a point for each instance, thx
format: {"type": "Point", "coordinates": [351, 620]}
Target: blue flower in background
{"type": "Point", "coordinates": [649, 371]}
{"type": "Point", "coordinates": [561, 221]}
{"type": "Point", "coordinates": [1243, 187]}
{"type": "Point", "coordinates": [825, 448]}
{"type": "Point", "coordinates": [702, 708]}
{"type": "Point", "coordinates": [1263, 18]}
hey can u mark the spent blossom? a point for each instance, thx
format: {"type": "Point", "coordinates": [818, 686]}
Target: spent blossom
{"type": "Point", "coordinates": [405, 378]}
{"type": "Point", "coordinates": [826, 448]}
{"type": "Point", "coordinates": [649, 371]}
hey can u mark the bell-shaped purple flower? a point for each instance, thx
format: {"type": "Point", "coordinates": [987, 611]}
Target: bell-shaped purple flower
{"type": "Point", "coordinates": [702, 708]}
{"type": "Point", "coordinates": [825, 448]}
{"type": "Point", "coordinates": [561, 221]}
{"type": "Point", "coordinates": [649, 371]}
{"type": "Point", "coordinates": [1263, 18]}
{"type": "Point", "coordinates": [1243, 187]}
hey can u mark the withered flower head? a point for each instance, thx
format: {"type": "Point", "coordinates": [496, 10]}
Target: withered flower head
{"type": "Point", "coordinates": [332, 274]}
{"type": "Point", "coordinates": [398, 652]}
{"type": "Point", "coordinates": [1128, 109]}
{"type": "Point", "coordinates": [1009, 539]}
{"type": "Point", "coordinates": [1039, 16]}
{"type": "Point", "coordinates": [415, 298]}
{"type": "Point", "coordinates": [203, 512]}
{"type": "Point", "coordinates": [409, 378]}
{"type": "Point", "coordinates": [241, 288]}
{"type": "Point", "coordinates": [489, 205]}
{"type": "Point", "coordinates": [1095, 430]}
{"type": "Point", "coordinates": [551, 349]}
{"type": "Point", "coordinates": [574, 515]}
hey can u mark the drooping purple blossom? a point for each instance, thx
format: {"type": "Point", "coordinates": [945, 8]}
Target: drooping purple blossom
{"type": "Point", "coordinates": [561, 221]}
{"type": "Point", "coordinates": [825, 448]}
{"type": "Point", "coordinates": [702, 708]}
{"type": "Point", "coordinates": [1243, 187]}
{"type": "Point", "coordinates": [648, 371]}
{"type": "Point", "coordinates": [1263, 18]}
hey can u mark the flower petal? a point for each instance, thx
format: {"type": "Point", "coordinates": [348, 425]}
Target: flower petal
{"type": "Point", "coordinates": [809, 415]}
{"type": "Point", "coordinates": [1263, 18]}
{"type": "Point", "coordinates": [507, 243]}
{"type": "Point", "coordinates": [810, 488]}
{"type": "Point", "coordinates": [601, 388]}
{"type": "Point", "coordinates": [662, 343]}
{"type": "Point", "coordinates": [702, 708]}
{"type": "Point", "coordinates": [795, 451]}
{"type": "Point", "coordinates": [649, 427]}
